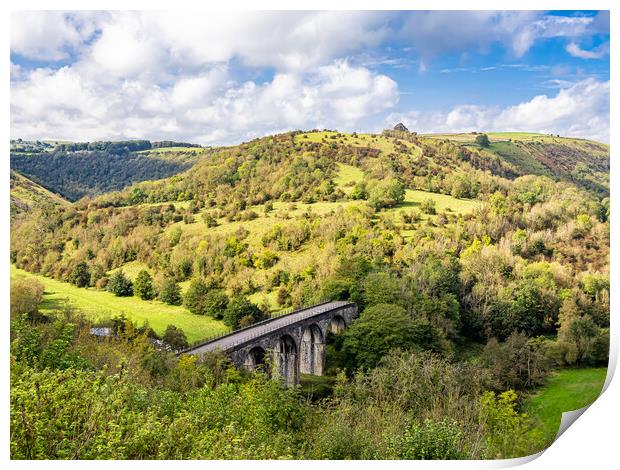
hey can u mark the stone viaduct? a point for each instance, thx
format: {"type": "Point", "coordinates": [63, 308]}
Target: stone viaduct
{"type": "Point", "coordinates": [289, 344]}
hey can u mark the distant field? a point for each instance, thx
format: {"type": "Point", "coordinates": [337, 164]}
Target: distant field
{"type": "Point", "coordinates": [567, 390]}
{"type": "Point", "coordinates": [97, 304]}
{"type": "Point", "coordinates": [493, 136]}
{"type": "Point", "coordinates": [515, 136]}
{"type": "Point", "coordinates": [377, 141]}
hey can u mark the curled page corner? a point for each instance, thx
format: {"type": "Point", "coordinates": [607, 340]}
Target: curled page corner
{"type": "Point", "coordinates": [568, 418]}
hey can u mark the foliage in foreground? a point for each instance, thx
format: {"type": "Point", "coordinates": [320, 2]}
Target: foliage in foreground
{"type": "Point", "coordinates": [76, 397]}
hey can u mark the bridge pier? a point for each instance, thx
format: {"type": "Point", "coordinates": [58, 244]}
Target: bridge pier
{"type": "Point", "coordinates": [312, 358]}
{"type": "Point", "coordinates": [286, 360]}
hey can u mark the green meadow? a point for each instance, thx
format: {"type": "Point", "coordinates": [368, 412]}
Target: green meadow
{"type": "Point", "coordinates": [98, 304]}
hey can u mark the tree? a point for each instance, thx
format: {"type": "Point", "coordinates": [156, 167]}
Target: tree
{"type": "Point", "coordinates": [215, 303]}
{"type": "Point", "coordinates": [386, 193]}
{"type": "Point", "coordinates": [238, 308]}
{"type": "Point", "coordinates": [170, 292]}
{"type": "Point", "coordinates": [381, 288]}
{"type": "Point", "coordinates": [359, 191]}
{"type": "Point", "coordinates": [175, 338]}
{"type": "Point", "coordinates": [80, 276]}
{"type": "Point", "coordinates": [195, 296]}
{"type": "Point", "coordinates": [483, 140]}
{"type": "Point", "coordinates": [120, 285]}
{"type": "Point", "coordinates": [517, 363]}
{"type": "Point", "coordinates": [377, 331]}
{"type": "Point", "coordinates": [143, 286]}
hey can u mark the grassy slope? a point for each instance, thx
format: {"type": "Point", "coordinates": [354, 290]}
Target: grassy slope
{"type": "Point", "coordinates": [97, 304]}
{"type": "Point", "coordinates": [567, 390]}
{"type": "Point", "coordinates": [519, 157]}
{"type": "Point", "coordinates": [347, 177]}
{"type": "Point", "coordinates": [25, 193]}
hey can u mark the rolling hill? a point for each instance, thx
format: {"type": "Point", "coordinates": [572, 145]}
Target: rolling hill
{"type": "Point", "coordinates": [274, 219]}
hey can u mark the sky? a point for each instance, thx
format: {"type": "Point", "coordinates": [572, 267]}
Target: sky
{"type": "Point", "coordinates": [219, 78]}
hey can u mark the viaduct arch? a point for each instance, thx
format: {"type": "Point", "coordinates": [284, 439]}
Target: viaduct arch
{"type": "Point", "coordinates": [290, 345]}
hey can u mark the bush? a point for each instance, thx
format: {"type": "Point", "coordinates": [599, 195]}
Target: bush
{"type": "Point", "coordinates": [119, 284]}
{"type": "Point", "coordinates": [506, 431]}
{"type": "Point", "coordinates": [428, 206]}
{"type": "Point", "coordinates": [386, 193]}
{"type": "Point", "coordinates": [429, 440]}
{"type": "Point", "coordinates": [26, 296]}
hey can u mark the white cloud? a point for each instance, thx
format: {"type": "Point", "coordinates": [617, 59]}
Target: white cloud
{"type": "Point", "coordinates": [579, 110]}
{"type": "Point", "coordinates": [435, 32]}
{"type": "Point", "coordinates": [201, 76]}
{"type": "Point", "coordinates": [208, 108]}
{"type": "Point", "coordinates": [597, 53]}
{"type": "Point", "coordinates": [49, 35]}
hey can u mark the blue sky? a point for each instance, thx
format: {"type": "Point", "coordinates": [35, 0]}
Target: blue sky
{"type": "Point", "coordinates": [221, 78]}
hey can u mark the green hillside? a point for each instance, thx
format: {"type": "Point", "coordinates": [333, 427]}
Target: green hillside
{"type": "Point", "coordinates": [580, 161]}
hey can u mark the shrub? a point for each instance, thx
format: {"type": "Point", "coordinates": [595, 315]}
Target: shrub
{"type": "Point", "coordinates": [386, 193]}
{"type": "Point", "coordinates": [506, 431]}
{"type": "Point", "coordinates": [429, 440]}
{"type": "Point", "coordinates": [428, 206]}
{"type": "Point", "coordinates": [26, 295]}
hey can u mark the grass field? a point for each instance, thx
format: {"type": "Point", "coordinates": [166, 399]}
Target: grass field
{"type": "Point", "coordinates": [98, 304]}
{"type": "Point", "coordinates": [347, 177]}
{"type": "Point", "coordinates": [567, 390]}
{"type": "Point", "coordinates": [443, 202]}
